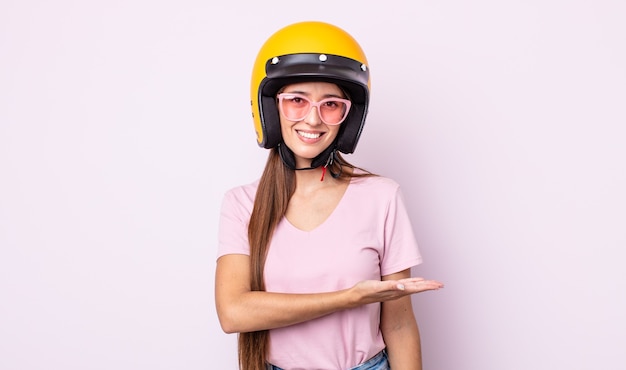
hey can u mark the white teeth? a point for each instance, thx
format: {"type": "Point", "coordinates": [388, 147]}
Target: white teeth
{"type": "Point", "coordinates": [309, 135]}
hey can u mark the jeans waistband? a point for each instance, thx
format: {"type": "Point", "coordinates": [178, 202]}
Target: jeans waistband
{"type": "Point", "coordinates": [378, 362]}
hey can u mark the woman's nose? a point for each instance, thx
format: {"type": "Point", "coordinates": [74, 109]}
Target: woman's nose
{"type": "Point", "coordinates": [313, 118]}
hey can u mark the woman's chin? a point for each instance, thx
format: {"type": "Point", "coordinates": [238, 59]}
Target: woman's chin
{"type": "Point", "coordinates": [306, 154]}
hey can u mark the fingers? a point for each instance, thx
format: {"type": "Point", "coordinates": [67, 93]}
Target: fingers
{"type": "Point", "coordinates": [417, 284]}
{"type": "Point", "coordinates": [393, 289]}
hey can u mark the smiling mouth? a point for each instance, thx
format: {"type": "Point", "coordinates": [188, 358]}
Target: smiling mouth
{"type": "Point", "coordinates": [309, 135]}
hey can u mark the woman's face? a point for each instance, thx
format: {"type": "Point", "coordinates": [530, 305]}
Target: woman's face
{"type": "Point", "coordinates": [309, 136]}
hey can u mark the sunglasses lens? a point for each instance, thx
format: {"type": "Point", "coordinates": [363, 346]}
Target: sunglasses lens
{"type": "Point", "coordinates": [333, 111]}
{"type": "Point", "coordinates": [295, 107]}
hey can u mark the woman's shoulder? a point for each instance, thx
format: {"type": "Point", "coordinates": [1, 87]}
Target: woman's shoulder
{"type": "Point", "coordinates": [376, 189]}
{"type": "Point", "coordinates": [376, 182]}
{"type": "Point", "coordinates": [378, 192]}
{"type": "Point", "coordinates": [242, 195]}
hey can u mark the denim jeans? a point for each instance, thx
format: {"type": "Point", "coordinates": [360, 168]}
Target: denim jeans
{"type": "Point", "coordinates": [378, 362]}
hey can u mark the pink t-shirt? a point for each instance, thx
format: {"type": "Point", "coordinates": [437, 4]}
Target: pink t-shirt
{"type": "Point", "coordinates": [367, 236]}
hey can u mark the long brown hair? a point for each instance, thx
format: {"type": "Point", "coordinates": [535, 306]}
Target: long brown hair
{"type": "Point", "coordinates": [276, 186]}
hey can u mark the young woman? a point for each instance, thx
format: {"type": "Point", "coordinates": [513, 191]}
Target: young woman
{"type": "Point", "coordinates": [314, 258]}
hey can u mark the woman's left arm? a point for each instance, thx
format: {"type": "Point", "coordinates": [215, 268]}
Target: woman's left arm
{"type": "Point", "coordinates": [400, 331]}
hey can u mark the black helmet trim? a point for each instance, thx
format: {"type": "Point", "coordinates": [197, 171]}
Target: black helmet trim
{"type": "Point", "coordinates": [332, 67]}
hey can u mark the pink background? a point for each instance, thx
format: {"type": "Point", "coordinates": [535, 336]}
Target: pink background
{"type": "Point", "coordinates": [123, 122]}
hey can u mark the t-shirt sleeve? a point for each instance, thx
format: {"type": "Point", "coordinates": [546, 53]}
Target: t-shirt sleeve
{"type": "Point", "coordinates": [233, 223]}
{"type": "Point", "coordinates": [401, 250]}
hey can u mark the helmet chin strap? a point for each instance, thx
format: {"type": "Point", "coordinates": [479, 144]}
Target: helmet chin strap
{"type": "Point", "coordinates": [327, 157]}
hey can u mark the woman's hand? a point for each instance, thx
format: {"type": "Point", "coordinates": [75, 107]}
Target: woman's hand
{"type": "Point", "coordinates": [371, 291]}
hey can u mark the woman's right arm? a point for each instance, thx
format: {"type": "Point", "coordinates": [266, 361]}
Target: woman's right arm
{"type": "Point", "coordinates": [242, 310]}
